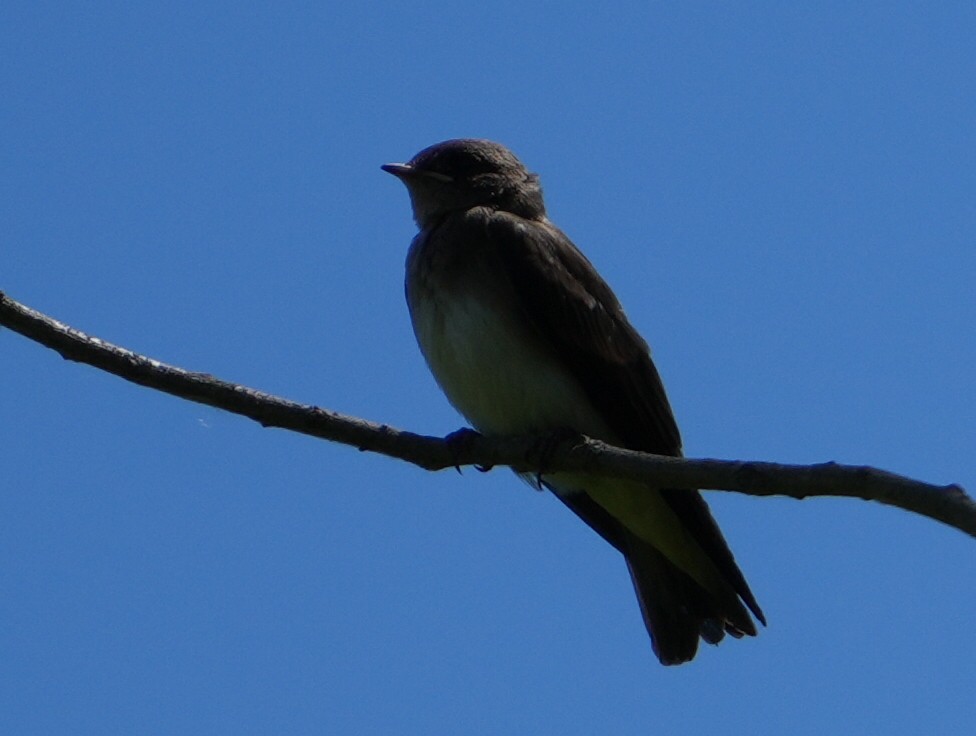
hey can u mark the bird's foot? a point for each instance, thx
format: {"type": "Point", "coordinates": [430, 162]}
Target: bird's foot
{"type": "Point", "coordinates": [546, 446]}
{"type": "Point", "coordinates": [458, 442]}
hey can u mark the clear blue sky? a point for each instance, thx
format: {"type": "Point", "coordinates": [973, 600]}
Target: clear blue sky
{"type": "Point", "coordinates": [781, 194]}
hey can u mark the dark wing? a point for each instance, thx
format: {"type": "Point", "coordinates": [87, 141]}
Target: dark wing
{"type": "Point", "coordinates": [564, 298]}
{"type": "Point", "coordinates": [568, 302]}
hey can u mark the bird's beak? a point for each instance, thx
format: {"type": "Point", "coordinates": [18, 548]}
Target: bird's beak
{"type": "Point", "coordinates": [398, 170]}
{"type": "Point", "coordinates": [406, 171]}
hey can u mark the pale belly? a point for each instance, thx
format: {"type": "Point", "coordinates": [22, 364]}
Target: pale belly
{"type": "Point", "coordinates": [495, 374]}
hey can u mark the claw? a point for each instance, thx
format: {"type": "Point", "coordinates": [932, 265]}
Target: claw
{"type": "Point", "coordinates": [547, 445]}
{"type": "Point", "coordinates": [458, 441]}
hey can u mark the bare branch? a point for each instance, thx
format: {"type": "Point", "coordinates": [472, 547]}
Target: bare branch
{"type": "Point", "coordinates": [948, 504]}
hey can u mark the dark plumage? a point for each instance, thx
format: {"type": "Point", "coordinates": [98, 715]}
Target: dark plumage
{"type": "Point", "coordinates": [523, 335]}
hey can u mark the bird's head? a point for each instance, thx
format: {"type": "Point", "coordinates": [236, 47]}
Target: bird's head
{"type": "Point", "coordinates": [459, 174]}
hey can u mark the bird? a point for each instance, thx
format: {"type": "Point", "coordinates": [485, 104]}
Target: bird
{"type": "Point", "coordinates": [523, 336]}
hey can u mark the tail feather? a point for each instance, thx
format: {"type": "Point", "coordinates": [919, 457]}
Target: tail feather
{"type": "Point", "coordinates": [677, 611]}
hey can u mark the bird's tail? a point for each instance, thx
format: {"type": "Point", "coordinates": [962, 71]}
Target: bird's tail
{"type": "Point", "coordinates": [677, 610]}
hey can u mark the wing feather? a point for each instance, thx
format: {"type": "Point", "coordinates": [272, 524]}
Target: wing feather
{"type": "Point", "coordinates": [569, 305]}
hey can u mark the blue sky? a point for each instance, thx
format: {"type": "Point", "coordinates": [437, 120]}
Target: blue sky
{"type": "Point", "coordinates": [782, 196]}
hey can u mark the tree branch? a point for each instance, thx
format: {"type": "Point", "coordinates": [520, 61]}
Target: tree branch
{"type": "Point", "coordinates": [948, 504]}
